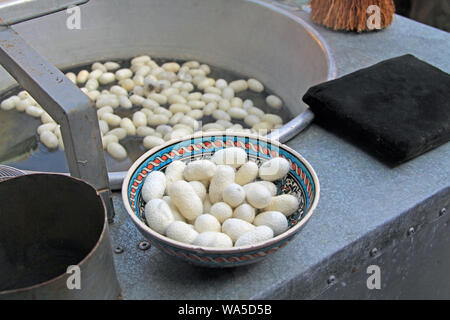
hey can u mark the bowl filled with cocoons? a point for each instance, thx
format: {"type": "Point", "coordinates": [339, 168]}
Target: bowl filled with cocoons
{"type": "Point", "coordinates": [220, 199]}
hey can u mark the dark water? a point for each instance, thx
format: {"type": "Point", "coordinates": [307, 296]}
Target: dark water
{"type": "Point", "coordinates": [20, 146]}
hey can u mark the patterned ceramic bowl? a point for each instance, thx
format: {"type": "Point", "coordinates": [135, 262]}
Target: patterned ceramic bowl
{"type": "Point", "coordinates": [301, 181]}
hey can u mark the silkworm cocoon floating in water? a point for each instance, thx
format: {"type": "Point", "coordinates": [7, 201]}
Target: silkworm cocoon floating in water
{"type": "Point", "coordinates": [199, 170]}
{"type": "Point", "coordinates": [255, 85]}
{"type": "Point", "coordinates": [233, 194]}
{"type": "Point", "coordinates": [152, 141]}
{"type": "Point", "coordinates": [181, 231]}
{"type": "Point", "coordinates": [101, 112]}
{"type": "Point", "coordinates": [221, 211]}
{"type": "Point", "coordinates": [106, 78]}
{"type": "Point", "coordinates": [22, 105]}
{"type": "Point", "coordinates": [198, 104]}
{"type": "Point", "coordinates": [137, 99]}
{"type": "Point", "coordinates": [99, 66]}
{"type": "Point", "coordinates": [224, 176]}
{"type": "Point", "coordinates": [111, 66]}
{"type": "Point", "coordinates": [175, 98]}
{"type": "Point", "coordinates": [196, 114]}
{"type": "Point", "coordinates": [251, 120]}
{"type": "Point", "coordinates": [239, 85]}
{"type": "Point", "coordinates": [157, 119]}
{"type": "Point", "coordinates": [207, 222]}
{"type": "Point", "coordinates": [213, 240]}
{"type": "Point", "coordinates": [49, 139]}
{"type": "Point", "coordinates": [10, 103]}
{"type": "Point", "coordinates": [237, 113]}
{"type": "Point", "coordinates": [125, 103]}
{"type": "Point", "coordinates": [247, 173]}
{"type": "Point", "coordinates": [108, 139]}
{"type": "Point", "coordinates": [236, 102]}
{"type": "Point", "coordinates": [150, 104]}
{"type": "Point", "coordinates": [274, 169]}
{"type": "Point", "coordinates": [287, 204]}
{"type": "Point", "coordinates": [272, 118]}
{"type": "Point", "coordinates": [245, 212]}
{"type": "Point", "coordinates": [158, 215]}
{"type": "Point", "coordinates": [274, 220]}
{"type": "Point", "coordinates": [234, 157]}
{"type": "Point", "coordinates": [255, 236]}
{"type": "Point", "coordinates": [144, 131]}
{"type": "Point", "coordinates": [139, 119]}
{"type": "Point", "coordinates": [112, 119]}
{"type": "Point", "coordinates": [160, 98]}
{"type": "Point", "coordinates": [185, 199]}
{"type": "Point", "coordinates": [274, 102]}
{"type": "Point", "coordinates": [128, 125]}
{"type": "Point", "coordinates": [199, 189]}
{"type": "Point", "coordinates": [121, 133]}
{"type": "Point", "coordinates": [46, 127]}
{"type": "Point", "coordinates": [224, 104]}
{"type": "Point", "coordinates": [116, 150]}
{"type": "Point", "coordinates": [154, 186]}
{"type": "Point", "coordinates": [235, 228]}
{"type": "Point", "coordinates": [174, 172]}
{"type": "Point", "coordinates": [258, 196]}
{"type": "Point", "coordinates": [123, 74]}
{"type": "Point", "coordinates": [72, 77]}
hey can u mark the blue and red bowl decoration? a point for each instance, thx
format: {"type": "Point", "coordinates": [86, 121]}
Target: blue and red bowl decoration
{"type": "Point", "coordinates": [301, 181]}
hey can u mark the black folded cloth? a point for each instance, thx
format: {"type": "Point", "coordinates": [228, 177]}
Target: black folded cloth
{"type": "Point", "coordinates": [396, 109]}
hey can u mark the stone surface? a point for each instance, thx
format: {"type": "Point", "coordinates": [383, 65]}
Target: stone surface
{"type": "Point", "coordinates": [358, 193]}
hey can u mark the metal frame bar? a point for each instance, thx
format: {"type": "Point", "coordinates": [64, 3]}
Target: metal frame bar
{"type": "Point", "coordinates": [65, 103]}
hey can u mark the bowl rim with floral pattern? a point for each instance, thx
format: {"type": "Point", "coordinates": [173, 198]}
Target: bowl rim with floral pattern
{"type": "Point", "coordinates": [212, 250]}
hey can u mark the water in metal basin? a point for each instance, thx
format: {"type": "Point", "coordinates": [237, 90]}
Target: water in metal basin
{"type": "Point", "coordinates": [20, 146]}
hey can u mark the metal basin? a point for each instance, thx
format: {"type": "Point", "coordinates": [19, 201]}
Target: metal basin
{"type": "Point", "coordinates": [49, 222]}
{"type": "Point", "coordinates": [252, 38]}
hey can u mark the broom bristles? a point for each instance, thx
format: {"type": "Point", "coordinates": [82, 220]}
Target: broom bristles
{"type": "Point", "coordinates": [350, 15]}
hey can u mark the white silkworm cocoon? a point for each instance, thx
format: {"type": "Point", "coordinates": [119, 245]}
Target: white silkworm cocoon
{"type": "Point", "coordinates": [221, 211]}
{"type": "Point", "coordinates": [233, 194]}
{"type": "Point", "coordinates": [158, 215]}
{"type": "Point", "coordinates": [255, 236]}
{"type": "Point", "coordinates": [245, 212]}
{"type": "Point", "coordinates": [185, 199]}
{"type": "Point", "coordinates": [235, 228]}
{"type": "Point", "coordinates": [274, 220]}
{"type": "Point", "coordinates": [287, 204]}
{"type": "Point", "coordinates": [199, 170]}
{"type": "Point", "coordinates": [207, 222]}
{"type": "Point", "coordinates": [154, 186]}
{"type": "Point", "coordinates": [182, 232]}
{"type": "Point", "coordinates": [274, 169]}
{"type": "Point", "coordinates": [234, 157]}
{"type": "Point", "coordinates": [246, 173]}
{"type": "Point", "coordinates": [224, 176]}
{"type": "Point", "coordinates": [258, 196]}
{"type": "Point", "coordinates": [213, 240]}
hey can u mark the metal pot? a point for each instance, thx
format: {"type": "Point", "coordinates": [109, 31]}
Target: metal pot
{"type": "Point", "coordinates": [253, 38]}
{"type": "Point", "coordinates": [54, 241]}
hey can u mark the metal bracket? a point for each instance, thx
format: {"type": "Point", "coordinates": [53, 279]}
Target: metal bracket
{"type": "Point", "coordinates": [65, 103]}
